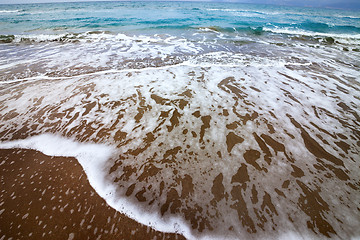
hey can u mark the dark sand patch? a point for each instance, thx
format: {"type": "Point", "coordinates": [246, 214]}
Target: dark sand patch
{"type": "Point", "coordinates": [45, 197]}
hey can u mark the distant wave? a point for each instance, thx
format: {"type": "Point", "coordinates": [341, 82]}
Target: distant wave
{"type": "Point", "coordinates": [249, 30]}
{"type": "Point", "coordinates": [352, 17]}
{"type": "Point", "coordinates": [326, 28]}
{"type": "Point", "coordinates": [294, 31]}
{"type": "Point", "coordinates": [9, 11]}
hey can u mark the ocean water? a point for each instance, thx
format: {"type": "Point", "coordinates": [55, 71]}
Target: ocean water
{"type": "Point", "coordinates": [213, 120]}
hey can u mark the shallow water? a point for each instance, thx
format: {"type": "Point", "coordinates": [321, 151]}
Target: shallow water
{"type": "Point", "coordinates": [251, 132]}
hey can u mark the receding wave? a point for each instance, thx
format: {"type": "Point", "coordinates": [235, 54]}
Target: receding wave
{"type": "Point", "coordinates": [221, 126]}
{"type": "Point", "coordinates": [228, 152]}
{"type": "Point", "coordinates": [314, 32]}
{"type": "Point", "coordinates": [66, 37]}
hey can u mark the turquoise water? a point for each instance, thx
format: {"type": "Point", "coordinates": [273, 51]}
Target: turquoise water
{"type": "Point", "coordinates": [225, 121]}
{"type": "Point", "coordinates": [150, 17]}
{"type": "Point", "coordinates": [174, 32]}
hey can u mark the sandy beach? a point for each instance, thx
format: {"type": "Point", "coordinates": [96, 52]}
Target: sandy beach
{"type": "Point", "coordinates": [209, 120]}
{"type": "Point", "coordinates": [44, 197]}
{"type": "Point", "coordinates": [205, 155]}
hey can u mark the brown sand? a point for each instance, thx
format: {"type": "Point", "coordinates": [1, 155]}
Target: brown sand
{"type": "Point", "coordinates": [45, 197]}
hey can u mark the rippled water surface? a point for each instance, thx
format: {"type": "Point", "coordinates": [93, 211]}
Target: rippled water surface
{"type": "Point", "coordinates": [223, 120]}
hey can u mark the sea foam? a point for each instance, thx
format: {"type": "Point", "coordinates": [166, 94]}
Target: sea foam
{"type": "Point", "coordinates": [232, 123]}
{"type": "Point", "coordinates": [92, 158]}
{"type": "Point", "coordinates": [140, 118]}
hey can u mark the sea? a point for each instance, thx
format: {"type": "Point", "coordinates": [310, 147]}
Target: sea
{"type": "Point", "coordinates": [211, 120]}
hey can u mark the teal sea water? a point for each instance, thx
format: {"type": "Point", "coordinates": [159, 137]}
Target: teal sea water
{"type": "Point", "coordinates": [178, 30]}
{"type": "Point", "coordinates": [224, 120]}
{"type": "Point", "coordinates": [177, 18]}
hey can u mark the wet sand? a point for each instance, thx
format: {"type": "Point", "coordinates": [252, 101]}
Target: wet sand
{"type": "Point", "coordinates": [230, 153]}
{"type": "Point", "coordinates": [45, 197]}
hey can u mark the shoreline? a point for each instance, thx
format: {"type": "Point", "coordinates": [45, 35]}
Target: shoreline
{"type": "Point", "coordinates": [190, 151]}
{"type": "Point", "coordinates": [45, 196]}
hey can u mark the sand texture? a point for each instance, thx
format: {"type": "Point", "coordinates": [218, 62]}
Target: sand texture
{"type": "Point", "coordinates": [45, 197]}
